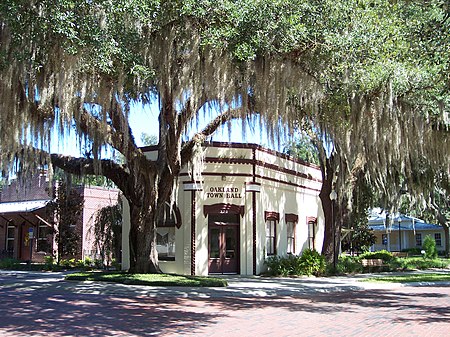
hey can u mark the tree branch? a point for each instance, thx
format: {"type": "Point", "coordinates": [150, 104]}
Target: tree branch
{"type": "Point", "coordinates": [187, 150]}
{"type": "Point", "coordinates": [83, 166]}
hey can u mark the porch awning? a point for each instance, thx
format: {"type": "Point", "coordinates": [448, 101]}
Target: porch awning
{"type": "Point", "coordinates": [22, 206]}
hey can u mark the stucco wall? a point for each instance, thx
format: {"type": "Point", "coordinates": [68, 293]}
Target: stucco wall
{"type": "Point", "coordinates": [287, 186]}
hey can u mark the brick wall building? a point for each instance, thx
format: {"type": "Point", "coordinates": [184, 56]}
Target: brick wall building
{"type": "Point", "coordinates": [27, 229]}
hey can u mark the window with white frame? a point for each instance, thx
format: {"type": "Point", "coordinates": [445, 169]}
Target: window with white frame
{"type": "Point", "coordinates": [44, 239]}
{"type": "Point", "coordinates": [418, 239]}
{"type": "Point", "coordinates": [165, 243]}
{"type": "Point", "coordinates": [271, 232]}
{"type": "Point", "coordinates": [312, 224]}
{"type": "Point", "coordinates": [10, 237]}
{"type": "Point", "coordinates": [270, 237]}
{"type": "Point", "coordinates": [291, 222]}
{"type": "Point", "coordinates": [438, 239]}
{"type": "Point", "coordinates": [290, 237]}
{"type": "Point", "coordinates": [165, 233]}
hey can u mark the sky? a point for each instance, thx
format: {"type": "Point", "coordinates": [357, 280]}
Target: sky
{"type": "Point", "coordinates": [144, 119]}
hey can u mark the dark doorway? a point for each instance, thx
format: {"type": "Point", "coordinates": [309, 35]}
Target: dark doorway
{"type": "Point", "coordinates": [223, 239]}
{"type": "Point", "coordinates": [26, 242]}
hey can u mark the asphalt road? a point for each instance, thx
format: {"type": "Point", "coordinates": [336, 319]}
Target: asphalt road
{"type": "Point", "coordinates": [43, 304]}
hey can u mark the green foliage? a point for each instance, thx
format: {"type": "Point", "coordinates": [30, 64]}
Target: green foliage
{"type": "Point", "coordinates": [312, 262]}
{"type": "Point", "coordinates": [49, 262]}
{"type": "Point", "coordinates": [414, 263]}
{"type": "Point", "coordinates": [381, 254]}
{"type": "Point", "coordinates": [429, 246]}
{"type": "Point", "coordinates": [283, 266]}
{"type": "Point", "coordinates": [9, 263]}
{"type": "Point", "coordinates": [309, 263]}
{"type": "Point", "coordinates": [412, 251]}
{"type": "Point", "coordinates": [159, 280]}
{"type": "Point", "coordinates": [148, 140]}
{"type": "Point", "coordinates": [428, 277]}
{"type": "Point", "coordinates": [361, 237]}
{"type": "Point", "coordinates": [348, 265]}
{"type": "Point", "coordinates": [303, 149]}
{"type": "Point", "coordinates": [108, 233]}
{"type": "Point", "coordinates": [67, 208]}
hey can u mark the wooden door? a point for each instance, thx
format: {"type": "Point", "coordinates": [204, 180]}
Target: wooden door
{"type": "Point", "coordinates": [223, 249]}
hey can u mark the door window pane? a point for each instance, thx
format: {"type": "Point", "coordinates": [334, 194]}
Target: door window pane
{"type": "Point", "coordinates": [214, 246]}
{"type": "Point", "coordinates": [230, 243]}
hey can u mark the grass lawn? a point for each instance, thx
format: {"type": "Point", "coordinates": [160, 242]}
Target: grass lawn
{"type": "Point", "coordinates": [426, 277]}
{"type": "Point", "coordinates": [149, 279]}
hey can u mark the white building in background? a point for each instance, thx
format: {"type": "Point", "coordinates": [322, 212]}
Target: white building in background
{"type": "Point", "coordinates": [250, 203]}
{"type": "Point", "coordinates": [401, 232]}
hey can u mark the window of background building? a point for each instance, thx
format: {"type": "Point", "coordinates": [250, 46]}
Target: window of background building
{"type": "Point", "coordinates": [10, 238]}
{"type": "Point", "coordinates": [437, 239]}
{"type": "Point", "coordinates": [43, 239]}
{"type": "Point", "coordinates": [419, 239]}
{"type": "Point", "coordinates": [384, 239]}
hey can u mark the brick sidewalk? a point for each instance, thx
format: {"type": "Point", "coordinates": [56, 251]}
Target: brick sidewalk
{"type": "Point", "coordinates": [59, 309]}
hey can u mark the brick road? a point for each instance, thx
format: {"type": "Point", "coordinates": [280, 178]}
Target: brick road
{"type": "Point", "coordinates": [36, 306]}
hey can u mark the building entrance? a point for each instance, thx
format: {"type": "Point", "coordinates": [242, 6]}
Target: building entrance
{"type": "Point", "coordinates": [223, 239]}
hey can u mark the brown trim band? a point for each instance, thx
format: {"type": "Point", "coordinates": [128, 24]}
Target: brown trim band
{"type": "Point", "coordinates": [259, 148]}
{"type": "Point", "coordinates": [270, 215]}
{"type": "Point", "coordinates": [257, 176]}
{"type": "Point", "coordinates": [311, 219]}
{"type": "Point", "coordinates": [260, 163]}
{"type": "Point", "coordinates": [290, 217]}
{"type": "Point", "coordinates": [288, 183]}
{"type": "Point", "coordinates": [223, 208]}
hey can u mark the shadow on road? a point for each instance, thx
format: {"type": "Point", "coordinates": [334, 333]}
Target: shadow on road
{"type": "Point", "coordinates": [41, 306]}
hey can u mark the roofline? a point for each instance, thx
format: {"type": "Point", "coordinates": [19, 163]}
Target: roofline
{"type": "Point", "coordinates": [252, 146]}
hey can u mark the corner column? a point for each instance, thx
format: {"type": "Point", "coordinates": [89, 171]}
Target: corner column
{"type": "Point", "coordinates": [193, 186]}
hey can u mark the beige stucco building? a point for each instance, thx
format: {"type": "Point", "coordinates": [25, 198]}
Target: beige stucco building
{"type": "Point", "coordinates": [248, 203]}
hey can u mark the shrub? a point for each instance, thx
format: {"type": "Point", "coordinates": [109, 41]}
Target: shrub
{"type": "Point", "coordinates": [116, 265]}
{"type": "Point", "coordinates": [418, 263]}
{"type": "Point", "coordinates": [98, 264]}
{"type": "Point", "coordinates": [309, 263]}
{"type": "Point", "coordinates": [412, 251]}
{"type": "Point", "coordinates": [67, 263]}
{"type": "Point", "coordinates": [348, 265]}
{"type": "Point", "coordinates": [88, 262]}
{"type": "Point", "coordinates": [49, 261]}
{"type": "Point", "coordinates": [429, 245]}
{"type": "Point", "coordinates": [282, 266]}
{"type": "Point", "coordinates": [312, 263]}
{"type": "Point", "coordinates": [9, 263]}
{"type": "Point", "coordinates": [381, 254]}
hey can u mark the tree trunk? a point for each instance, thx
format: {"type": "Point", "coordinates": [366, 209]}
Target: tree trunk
{"type": "Point", "coordinates": [446, 237]}
{"type": "Point", "coordinates": [329, 211]}
{"type": "Point", "coordinates": [143, 254]}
